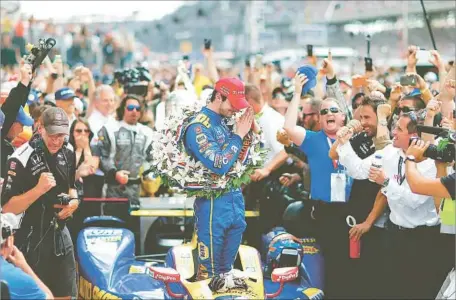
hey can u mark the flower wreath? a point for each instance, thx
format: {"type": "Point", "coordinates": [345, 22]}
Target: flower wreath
{"type": "Point", "coordinates": [176, 168]}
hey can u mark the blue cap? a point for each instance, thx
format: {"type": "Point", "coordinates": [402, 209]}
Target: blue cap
{"type": "Point", "coordinates": [34, 96]}
{"type": "Point", "coordinates": [311, 74]}
{"type": "Point", "coordinates": [64, 94]}
{"type": "Point", "coordinates": [2, 118]}
{"type": "Point", "coordinates": [414, 93]}
{"type": "Point", "coordinates": [23, 118]}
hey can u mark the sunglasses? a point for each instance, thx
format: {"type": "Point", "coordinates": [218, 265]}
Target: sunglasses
{"type": "Point", "coordinates": [82, 130]}
{"type": "Point", "coordinates": [325, 111]}
{"type": "Point", "coordinates": [132, 107]}
{"type": "Point", "coordinates": [406, 109]}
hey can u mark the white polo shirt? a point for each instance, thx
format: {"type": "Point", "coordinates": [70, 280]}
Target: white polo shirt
{"type": "Point", "coordinates": [408, 210]}
{"type": "Point", "coordinates": [270, 122]}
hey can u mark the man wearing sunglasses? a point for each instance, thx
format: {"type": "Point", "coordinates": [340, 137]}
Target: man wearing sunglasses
{"type": "Point", "coordinates": [325, 210]}
{"type": "Point", "coordinates": [123, 149]}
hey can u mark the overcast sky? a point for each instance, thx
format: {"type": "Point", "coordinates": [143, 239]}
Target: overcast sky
{"type": "Point", "coordinates": [62, 10]}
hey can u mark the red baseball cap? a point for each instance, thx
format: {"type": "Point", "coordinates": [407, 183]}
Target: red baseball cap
{"type": "Point", "coordinates": [234, 90]}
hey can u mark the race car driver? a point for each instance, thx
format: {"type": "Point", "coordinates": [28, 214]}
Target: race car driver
{"type": "Point", "coordinates": [220, 222]}
{"type": "Point", "coordinates": [39, 172]}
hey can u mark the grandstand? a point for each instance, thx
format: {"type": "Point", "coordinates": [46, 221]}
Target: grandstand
{"type": "Point", "coordinates": [221, 19]}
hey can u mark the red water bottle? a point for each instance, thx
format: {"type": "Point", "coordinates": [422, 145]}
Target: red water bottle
{"type": "Point", "coordinates": [355, 245]}
{"type": "Point", "coordinates": [355, 248]}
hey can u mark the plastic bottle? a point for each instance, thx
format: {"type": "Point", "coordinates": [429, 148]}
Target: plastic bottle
{"type": "Point", "coordinates": [376, 163]}
{"type": "Point", "coordinates": [355, 248]}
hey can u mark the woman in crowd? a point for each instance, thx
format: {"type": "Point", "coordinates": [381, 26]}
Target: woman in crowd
{"type": "Point", "coordinates": [86, 164]}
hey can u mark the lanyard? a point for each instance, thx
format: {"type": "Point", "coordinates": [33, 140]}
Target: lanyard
{"type": "Point", "coordinates": [400, 178]}
{"type": "Point", "coordinates": [334, 161]}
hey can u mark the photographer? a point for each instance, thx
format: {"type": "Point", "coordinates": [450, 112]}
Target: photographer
{"type": "Point", "coordinates": [413, 226]}
{"type": "Point", "coordinates": [441, 187]}
{"type": "Point", "coordinates": [41, 185]}
{"type": "Point", "coordinates": [22, 282]}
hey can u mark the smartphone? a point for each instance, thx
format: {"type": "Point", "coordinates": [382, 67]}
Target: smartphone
{"type": "Point", "coordinates": [185, 58]}
{"type": "Point", "coordinates": [309, 50]}
{"type": "Point", "coordinates": [408, 80]}
{"type": "Point", "coordinates": [368, 64]}
{"type": "Point", "coordinates": [207, 44]}
{"type": "Point", "coordinates": [423, 55]}
{"type": "Point", "coordinates": [359, 82]}
{"type": "Point", "coordinates": [259, 61]}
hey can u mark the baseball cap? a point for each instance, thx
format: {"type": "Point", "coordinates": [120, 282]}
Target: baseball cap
{"type": "Point", "coordinates": [311, 74]}
{"type": "Point", "coordinates": [234, 90]}
{"type": "Point", "coordinates": [64, 94]}
{"type": "Point", "coordinates": [23, 118]}
{"type": "Point", "coordinates": [55, 121]}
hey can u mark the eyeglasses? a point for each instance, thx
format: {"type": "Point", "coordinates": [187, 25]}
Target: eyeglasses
{"type": "Point", "coordinates": [325, 111]}
{"type": "Point", "coordinates": [306, 115]}
{"type": "Point", "coordinates": [132, 107]}
{"type": "Point", "coordinates": [82, 130]}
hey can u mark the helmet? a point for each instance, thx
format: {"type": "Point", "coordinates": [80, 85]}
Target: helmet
{"type": "Point", "coordinates": [283, 250]}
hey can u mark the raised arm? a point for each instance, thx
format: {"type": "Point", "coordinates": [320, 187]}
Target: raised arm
{"type": "Point", "coordinates": [296, 133]}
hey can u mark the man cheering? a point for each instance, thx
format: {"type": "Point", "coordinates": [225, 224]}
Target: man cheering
{"type": "Point", "coordinates": [329, 185]}
{"type": "Point", "coordinates": [219, 222]}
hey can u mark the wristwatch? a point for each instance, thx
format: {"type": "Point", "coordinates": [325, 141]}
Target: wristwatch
{"type": "Point", "coordinates": [385, 183]}
{"type": "Point", "coordinates": [410, 157]}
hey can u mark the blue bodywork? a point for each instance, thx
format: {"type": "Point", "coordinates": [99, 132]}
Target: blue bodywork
{"type": "Point", "coordinates": [309, 284]}
{"type": "Point", "coordinates": [107, 268]}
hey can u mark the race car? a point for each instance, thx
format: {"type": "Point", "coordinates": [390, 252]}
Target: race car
{"type": "Point", "coordinates": [108, 269]}
{"type": "Point", "coordinates": [299, 280]}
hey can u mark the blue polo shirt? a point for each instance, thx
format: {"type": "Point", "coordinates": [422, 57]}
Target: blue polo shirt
{"type": "Point", "coordinates": [316, 147]}
{"type": "Point", "coordinates": [20, 284]}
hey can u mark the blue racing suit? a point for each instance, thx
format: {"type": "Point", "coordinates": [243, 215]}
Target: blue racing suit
{"type": "Point", "coordinates": [219, 222]}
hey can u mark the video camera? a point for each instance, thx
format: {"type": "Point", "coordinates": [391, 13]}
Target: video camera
{"type": "Point", "coordinates": [38, 54]}
{"type": "Point", "coordinates": [63, 199]}
{"type": "Point", "coordinates": [445, 150]}
{"type": "Point", "coordinates": [133, 80]}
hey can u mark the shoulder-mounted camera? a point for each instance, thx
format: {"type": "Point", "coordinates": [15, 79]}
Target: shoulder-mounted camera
{"type": "Point", "coordinates": [445, 151]}
{"type": "Point", "coordinates": [133, 80]}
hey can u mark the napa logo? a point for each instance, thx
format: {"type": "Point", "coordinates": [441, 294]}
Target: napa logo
{"type": "Point", "coordinates": [87, 291]}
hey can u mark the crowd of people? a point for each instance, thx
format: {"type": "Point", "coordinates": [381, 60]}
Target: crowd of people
{"type": "Point", "coordinates": [342, 148]}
